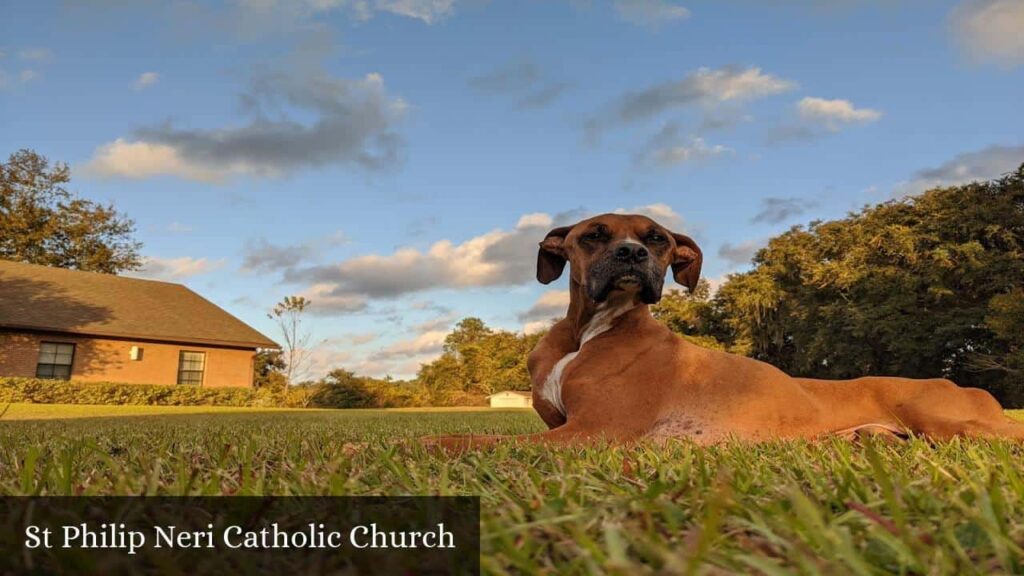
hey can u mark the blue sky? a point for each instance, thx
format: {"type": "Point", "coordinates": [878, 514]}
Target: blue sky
{"type": "Point", "coordinates": [397, 160]}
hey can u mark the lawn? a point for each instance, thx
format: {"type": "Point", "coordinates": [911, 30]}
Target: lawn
{"type": "Point", "coordinates": [824, 508]}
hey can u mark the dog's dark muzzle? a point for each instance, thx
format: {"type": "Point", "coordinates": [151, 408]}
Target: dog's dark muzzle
{"type": "Point", "coordinates": [627, 267]}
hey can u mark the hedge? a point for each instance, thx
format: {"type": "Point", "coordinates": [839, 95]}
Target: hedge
{"type": "Point", "coordinates": [39, 391]}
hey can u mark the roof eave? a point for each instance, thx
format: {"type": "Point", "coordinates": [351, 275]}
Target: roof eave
{"type": "Point", "coordinates": [268, 344]}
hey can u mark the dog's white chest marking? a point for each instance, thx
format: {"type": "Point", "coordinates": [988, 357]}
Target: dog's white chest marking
{"type": "Point", "coordinates": [599, 324]}
{"type": "Point", "coordinates": [553, 384]}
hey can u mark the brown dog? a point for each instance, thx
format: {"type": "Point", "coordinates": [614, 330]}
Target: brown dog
{"type": "Point", "coordinates": [609, 370]}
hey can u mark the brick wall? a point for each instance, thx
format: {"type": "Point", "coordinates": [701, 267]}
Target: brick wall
{"type": "Point", "coordinates": [107, 360]}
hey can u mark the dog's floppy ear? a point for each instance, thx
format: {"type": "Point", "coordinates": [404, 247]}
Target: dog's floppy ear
{"type": "Point", "coordinates": [551, 257]}
{"type": "Point", "coordinates": [686, 261]}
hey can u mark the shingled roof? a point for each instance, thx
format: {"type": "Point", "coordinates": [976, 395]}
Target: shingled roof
{"type": "Point", "coordinates": [59, 300]}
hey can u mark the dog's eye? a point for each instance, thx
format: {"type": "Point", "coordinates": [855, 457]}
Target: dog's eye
{"type": "Point", "coordinates": [592, 236]}
{"type": "Point", "coordinates": [655, 237]}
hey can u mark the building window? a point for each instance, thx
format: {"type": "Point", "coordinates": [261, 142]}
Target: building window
{"type": "Point", "coordinates": [190, 368]}
{"type": "Point", "coordinates": [55, 359]}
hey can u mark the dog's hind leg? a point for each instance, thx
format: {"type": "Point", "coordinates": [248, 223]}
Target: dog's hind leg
{"type": "Point", "coordinates": [946, 428]}
{"type": "Point", "coordinates": [940, 409]}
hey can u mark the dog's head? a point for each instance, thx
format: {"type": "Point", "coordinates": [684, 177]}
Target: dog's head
{"type": "Point", "coordinates": [614, 252]}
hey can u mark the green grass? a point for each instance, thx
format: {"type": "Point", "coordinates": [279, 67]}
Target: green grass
{"type": "Point", "coordinates": [824, 508]}
{"type": "Point", "coordinates": [58, 411]}
{"type": "Point", "coordinates": [21, 411]}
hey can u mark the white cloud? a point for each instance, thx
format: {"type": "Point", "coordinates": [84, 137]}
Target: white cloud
{"type": "Point", "coordinates": [138, 160]}
{"type": "Point", "coordinates": [175, 269]}
{"type": "Point", "coordinates": [551, 304]}
{"type": "Point", "coordinates": [439, 323]}
{"type": "Point", "coordinates": [495, 258]}
{"type": "Point", "coordinates": [742, 253]}
{"type": "Point", "coordinates": [695, 150]}
{"type": "Point", "coordinates": [364, 338]}
{"type": "Point", "coordinates": [353, 125]}
{"type": "Point", "coordinates": [26, 74]}
{"type": "Point", "coordinates": [991, 29]}
{"type": "Point", "coordinates": [984, 164]}
{"type": "Point", "coordinates": [659, 212]}
{"type": "Point", "coordinates": [428, 343]}
{"type": "Point", "coordinates": [668, 148]}
{"type": "Point", "coordinates": [429, 11]}
{"type": "Point", "coordinates": [715, 92]}
{"type": "Point", "coordinates": [145, 80]}
{"type": "Point", "coordinates": [536, 326]}
{"type": "Point", "coordinates": [706, 86]}
{"type": "Point", "coordinates": [724, 85]}
{"type": "Point", "coordinates": [715, 283]}
{"type": "Point", "coordinates": [650, 12]}
{"type": "Point", "coordinates": [775, 209]}
{"type": "Point", "coordinates": [327, 300]}
{"type": "Point", "coordinates": [352, 339]}
{"type": "Point", "coordinates": [832, 114]}
{"type": "Point", "coordinates": [256, 16]}
{"type": "Point", "coordinates": [322, 359]}
{"type": "Point", "coordinates": [552, 301]}
{"type": "Point", "coordinates": [536, 219]}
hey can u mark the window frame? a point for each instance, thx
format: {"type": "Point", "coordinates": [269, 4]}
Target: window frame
{"type": "Point", "coordinates": [190, 380]}
{"type": "Point", "coordinates": [51, 373]}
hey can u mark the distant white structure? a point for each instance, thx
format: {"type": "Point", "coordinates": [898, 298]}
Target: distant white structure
{"type": "Point", "coordinates": [511, 399]}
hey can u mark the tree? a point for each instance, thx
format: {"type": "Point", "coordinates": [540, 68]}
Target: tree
{"type": "Point", "coordinates": [468, 332]}
{"type": "Point", "coordinates": [442, 379]}
{"type": "Point", "coordinates": [1006, 320]}
{"type": "Point", "coordinates": [288, 314]}
{"type": "Point", "coordinates": [921, 287]}
{"type": "Point", "coordinates": [42, 223]}
{"type": "Point", "coordinates": [692, 315]}
{"type": "Point", "coordinates": [343, 389]}
{"type": "Point", "coordinates": [477, 361]}
{"type": "Point", "coordinates": [269, 370]}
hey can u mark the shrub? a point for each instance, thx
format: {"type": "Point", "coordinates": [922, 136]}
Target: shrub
{"type": "Point", "coordinates": [40, 391]}
{"type": "Point", "coordinates": [355, 392]}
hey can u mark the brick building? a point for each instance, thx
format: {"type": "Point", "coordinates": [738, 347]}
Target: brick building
{"type": "Point", "coordinates": [58, 323]}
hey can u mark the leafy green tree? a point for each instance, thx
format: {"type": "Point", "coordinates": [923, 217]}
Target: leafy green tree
{"type": "Point", "coordinates": [41, 222]}
{"type": "Point", "coordinates": [467, 333]}
{"type": "Point", "coordinates": [477, 361]}
{"type": "Point", "coordinates": [442, 379]}
{"type": "Point", "coordinates": [268, 369]}
{"type": "Point", "coordinates": [468, 344]}
{"type": "Point", "coordinates": [919, 287]}
{"type": "Point", "coordinates": [691, 315]}
{"type": "Point", "coordinates": [343, 389]}
{"type": "Point", "coordinates": [1006, 320]}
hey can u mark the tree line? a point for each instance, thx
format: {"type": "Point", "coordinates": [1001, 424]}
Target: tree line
{"type": "Point", "coordinates": [476, 361]}
{"type": "Point", "coordinates": [926, 286]}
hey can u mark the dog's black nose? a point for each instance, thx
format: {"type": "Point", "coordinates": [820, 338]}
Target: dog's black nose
{"type": "Point", "coordinates": [631, 252]}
